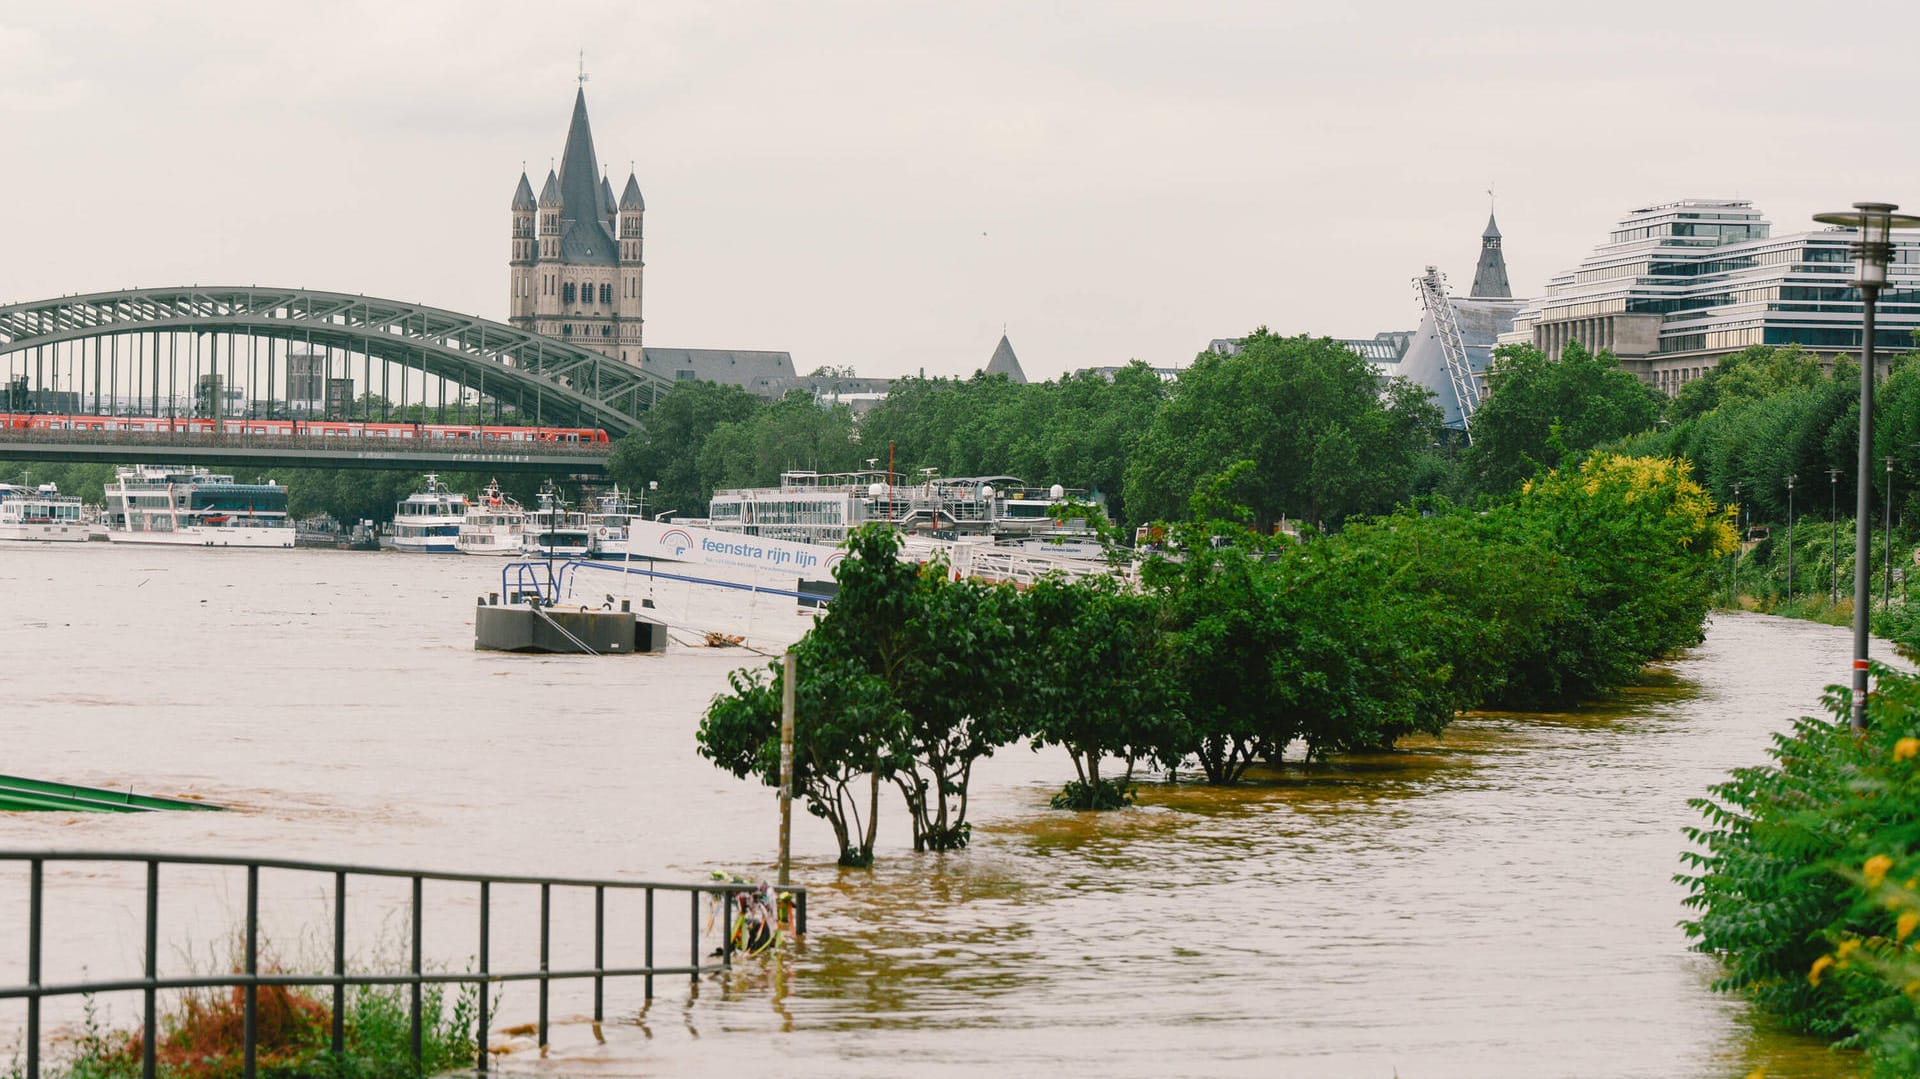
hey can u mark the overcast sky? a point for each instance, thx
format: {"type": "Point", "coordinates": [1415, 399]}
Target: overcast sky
{"type": "Point", "coordinates": [885, 185]}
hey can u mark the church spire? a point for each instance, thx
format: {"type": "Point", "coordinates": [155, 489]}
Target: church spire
{"type": "Point", "coordinates": [1490, 276]}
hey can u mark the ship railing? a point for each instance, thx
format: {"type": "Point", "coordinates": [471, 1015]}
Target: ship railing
{"type": "Point", "coordinates": [524, 582]}
{"type": "Point", "coordinates": [249, 980]}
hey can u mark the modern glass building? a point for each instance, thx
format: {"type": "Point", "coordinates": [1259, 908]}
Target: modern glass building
{"type": "Point", "coordinates": [1679, 285]}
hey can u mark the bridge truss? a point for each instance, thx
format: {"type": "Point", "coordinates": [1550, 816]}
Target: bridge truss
{"type": "Point", "coordinates": [147, 352]}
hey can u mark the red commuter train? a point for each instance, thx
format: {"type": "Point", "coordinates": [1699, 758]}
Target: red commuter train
{"type": "Point", "coordinates": [42, 421]}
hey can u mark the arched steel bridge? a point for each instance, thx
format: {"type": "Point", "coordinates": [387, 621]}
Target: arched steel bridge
{"type": "Point", "coordinates": [560, 383]}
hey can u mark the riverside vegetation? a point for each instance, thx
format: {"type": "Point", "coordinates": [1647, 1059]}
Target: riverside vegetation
{"type": "Point", "coordinates": [1237, 649]}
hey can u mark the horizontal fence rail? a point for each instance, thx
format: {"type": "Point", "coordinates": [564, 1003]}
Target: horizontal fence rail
{"type": "Point", "coordinates": [249, 980]}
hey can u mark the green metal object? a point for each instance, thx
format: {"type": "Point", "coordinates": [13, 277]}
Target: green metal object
{"type": "Point", "coordinates": [19, 793]}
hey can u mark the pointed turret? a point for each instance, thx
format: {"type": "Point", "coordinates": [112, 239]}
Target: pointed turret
{"type": "Point", "coordinates": [1490, 276]}
{"type": "Point", "coordinates": [606, 200]}
{"type": "Point", "coordinates": [523, 196]}
{"type": "Point", "coordinates": [630, 200]}
{"type": "Point", "coordinates": [585, 237]}
{"type": "Point", "coordinates": [550, 192]}
{"type": "Point", "coordinates": [1004, 362]}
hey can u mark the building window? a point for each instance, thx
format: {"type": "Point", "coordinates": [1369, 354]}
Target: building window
{"type": "Point", "coordinates": [606, 293]}
{"type": "Point", "coordinates": [566, 293]}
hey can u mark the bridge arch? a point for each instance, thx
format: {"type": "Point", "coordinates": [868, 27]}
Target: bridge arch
{"type": "Point", "coordinates": [551, 379]}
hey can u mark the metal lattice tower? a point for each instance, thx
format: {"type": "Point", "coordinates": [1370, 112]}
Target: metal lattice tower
{"type": "Point", "coordinates": [1432, 287]}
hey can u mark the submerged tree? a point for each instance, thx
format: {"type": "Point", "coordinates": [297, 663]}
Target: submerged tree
{"type": "Point", "coordinates": [846, 735]}
{"type": "Point", "coordinates": [1093, 680]}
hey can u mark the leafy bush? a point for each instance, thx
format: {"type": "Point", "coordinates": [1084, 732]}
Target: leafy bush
{"type": "Point", "coordinates": [1807, 881]}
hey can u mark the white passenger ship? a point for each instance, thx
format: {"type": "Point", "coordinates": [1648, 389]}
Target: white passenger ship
{"type": "Point", "coordinates": [494, 525]}
{"type": "Point", "coordinates": [429, 521]}
{"type": "Point", "coordinates": [159, 504]}
{"type": "Point", "coordinates": [553, 531]}
{"type": "Point", "coordinates": [821, 508]}
{"type": "Point", "coordinates": [40, 514]}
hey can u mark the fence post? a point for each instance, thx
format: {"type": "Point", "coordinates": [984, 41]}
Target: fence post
{"type": "Point", "coordinates": [414, 1017]}
{"type": "Point", "coordinates": [693, 937]}
{"type": "Point", "coordinates": [251, 1037]}
{"type": "Point", "coordinates": [649, 956]}
{"type": "Point", "coordinates": [486, 911]}
{"type": "Point", "coordinates": [546, 906]}
{"type": "Point", "coordinates": [339, 964]}
{"type": "Point", "coordinates": [35, 876]}
{"type": "Point", "coordinates": [599, 949]}
{"type": "Point", "coordinates": [787, 678]}
{"type": "Point", "coordinates": [148, 1027]}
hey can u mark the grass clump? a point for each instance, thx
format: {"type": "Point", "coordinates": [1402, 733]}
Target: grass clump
{"type": "Point", "coordinates": [203, 1037]}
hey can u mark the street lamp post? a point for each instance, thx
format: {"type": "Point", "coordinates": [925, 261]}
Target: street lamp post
{"type": "Point", "coordinates": [1739, 548]}
{"type": "Point", "coordinates": [1886, 541]}
{"type": "Point", "coordinates": [1833, 531]}
{"type": "Point", "coordinates": [1875, 222]}
{"type": "Point", "coordinates": [1790, 478]}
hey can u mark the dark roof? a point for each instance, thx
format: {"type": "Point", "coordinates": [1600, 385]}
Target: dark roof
{"type": "Point", "coordinates": [606, 198]}
{"type": "Point", "coordinates": [1490, 276]}
{"type": "Point", "coordinates": [630, 198]}
{"type": "Point", "coordinates": [584, 237]}
{"type": "Point", "coordinates": [550, 192]}
{"type": "Point", "coordinates": [766, 374]}
{"type": "Point", "coordinates": [523, 195]}
{"type": "Point", "coordinates": [1004, 362]}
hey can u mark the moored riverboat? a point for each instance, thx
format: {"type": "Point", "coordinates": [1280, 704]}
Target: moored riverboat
{"type": "Point", "coordinates": [428, 521]}
{"type": "Point", "coordinates": [193, 507]}
{"type": "Point", "coordinates": [40, 515]}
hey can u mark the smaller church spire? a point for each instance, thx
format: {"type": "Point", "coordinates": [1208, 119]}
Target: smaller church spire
{"type": "Point", "coordinates": [630, 200]}
{"type": "Point", "coordinates": [550, 194]}
{"type": "Point", "coordinates": [523, 195]}
{"type": "Point", "coordinates": [1490, 275]}
{"type": "Point", "coordinates": [1004, 362]}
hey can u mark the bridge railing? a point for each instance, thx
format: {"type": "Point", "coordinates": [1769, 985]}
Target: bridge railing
{"type": "Point", "coordinates": [251, 978]}
{"type": "Point", "coordinates": [187, 439]}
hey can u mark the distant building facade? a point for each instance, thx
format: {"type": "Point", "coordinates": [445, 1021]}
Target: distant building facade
{"type": "Point", "coordinates": [1681, 284]}
{"type": "Point", "coordinates": [576, 269]}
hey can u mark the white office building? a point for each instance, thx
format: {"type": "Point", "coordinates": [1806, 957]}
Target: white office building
{"type": "Point", "coordinates": [1679, 285]}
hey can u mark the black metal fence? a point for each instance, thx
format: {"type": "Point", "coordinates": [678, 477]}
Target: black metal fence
{"type": "Point", "coordinates": [250, 978]}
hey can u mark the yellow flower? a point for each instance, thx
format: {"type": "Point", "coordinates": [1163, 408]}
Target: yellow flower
{"type": "Point", "coordinates": [1847, 948]}
{"type": "Point", "coordinates": [1875, 870]}
{"type": "Point", "coordinates": [1820, 966]}
{"type": "Point", "coordinates": [1906, 749]}
{"type": "Point", "coordinates": [1907, 923]}
{"type": "Point", "coordinates": [1911, 988]}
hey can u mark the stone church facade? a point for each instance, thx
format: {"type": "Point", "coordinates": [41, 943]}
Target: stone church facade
{"type": "Point", "coordinates": [577, 260]}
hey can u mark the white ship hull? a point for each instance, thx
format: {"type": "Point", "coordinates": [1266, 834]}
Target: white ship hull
{"type": "Point", "coordinates": [205, 536]}
{"type": "Point", "coordinates": [427, 544]}
{"type": "Point", "coordinates": [48, 532]}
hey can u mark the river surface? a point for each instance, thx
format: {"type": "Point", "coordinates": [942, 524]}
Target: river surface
{"type": "Point", "coordinates": [1497, 902]}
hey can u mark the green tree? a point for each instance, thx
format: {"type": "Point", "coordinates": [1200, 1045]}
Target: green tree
{"type": "Point", "coordinates": [1323, 441]}
{"type": "Point", "coordinates": [1541, 413]}
{"type": "Point", "coordinates": [1093, 680]}
{"type": "Point", "coordinates": [666, 449]}
{"type": "Point", "coordinates": [846, 736]}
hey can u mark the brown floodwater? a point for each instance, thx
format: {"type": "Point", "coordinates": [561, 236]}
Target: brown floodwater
{"type": "Point", "coordinates": [1496, 902]}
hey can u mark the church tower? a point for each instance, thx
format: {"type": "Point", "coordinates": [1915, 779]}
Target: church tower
{"type": "Point", "coordinates": [521, 261]}
{"type": "Point", "coordinates": [582, 265]}
{"type": "Point", "coordinates": [1490, 276]}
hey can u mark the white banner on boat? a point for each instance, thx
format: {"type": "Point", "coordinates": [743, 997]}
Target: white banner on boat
{"type": "Point", "coordinates": [683, 543]}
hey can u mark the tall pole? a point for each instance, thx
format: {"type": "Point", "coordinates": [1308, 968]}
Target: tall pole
{"type": "Point", "coordinates": [1833, 531]}
{"type": "Point", "coordinates": [786, 767]}
{"type": "Point", "coordinates": [1862, 553]}
{"type": "Point", "coordinates": [1790, 479]}
{"type": "Point", "coordinates": [1886, 544]}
